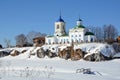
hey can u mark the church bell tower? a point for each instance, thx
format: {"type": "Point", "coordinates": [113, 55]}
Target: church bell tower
{"type": "Point", "coordinates": [60, 27]}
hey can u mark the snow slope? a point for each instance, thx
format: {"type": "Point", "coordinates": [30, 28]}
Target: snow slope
{"type": "Point", "coordinates": [90, 48]}
{"type": "Point", "coordinates": [23, 68]}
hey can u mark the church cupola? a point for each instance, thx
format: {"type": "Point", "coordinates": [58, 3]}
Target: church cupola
{"type": "Point", "coordinates": [79, 24]}
{"type": "Point", "coordinates": [60, 27]}
{"type": "Point", "coordinates": [79, 21]}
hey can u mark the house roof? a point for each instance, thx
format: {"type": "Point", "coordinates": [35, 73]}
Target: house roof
{"type": "Point", "coordinates": [89, 33]}
{"type": "Point", "coordinates": [39, 38]}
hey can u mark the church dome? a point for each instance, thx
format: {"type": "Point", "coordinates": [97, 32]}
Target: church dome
{"type": "Point", "coordinates": [79, 24]}
{"type": "Point", "coordinates": [79, 19]}
{"type": "Point", "coordinates": [60, 19]}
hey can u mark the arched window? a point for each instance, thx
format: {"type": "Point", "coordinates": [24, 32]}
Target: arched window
{"type": "Point", "coordinates": [57, 26]}
{"type": "Point", "coordinates": [71, 35]}
{"type": "Point", "coordinates": [79, 35]}
{"type": "Point", "coordinates": [49, 41]}
{"type": "Point", "coordinates": [91, 39]}
{"type": "Point", "coordinates": [76, 31]}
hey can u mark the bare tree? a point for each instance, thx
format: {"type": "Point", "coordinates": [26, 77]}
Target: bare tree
{"type": "Point", "coordinates": [34, 34]}
{"type": "Point", "coordinates": [21, 39]}
{"type": "Point", "coordinates": [7, 42]}
{"type": "Point", "coordinates": [105, 33]}
{"type": "Point", "coordinates": [98, 32]}
{"type": "Point", "coordinates": [109, 32]}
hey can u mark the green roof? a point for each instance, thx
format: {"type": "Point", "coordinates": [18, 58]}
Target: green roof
{"type": "Point", "coordinates": [89, 33]}
{"type": "Point", "coordinates": [64, 35]}
{"type": "Point", "coordinates": [50, 36]}
{"type": "Point", "coordinates": [79, 26]}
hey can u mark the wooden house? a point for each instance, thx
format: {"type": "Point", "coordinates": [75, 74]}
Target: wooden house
{"type": "Point", "coordinates": [39, 41]}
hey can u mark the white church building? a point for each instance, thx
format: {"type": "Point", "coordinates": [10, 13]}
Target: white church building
{"type": "Point", "coordinates": [77, 34]}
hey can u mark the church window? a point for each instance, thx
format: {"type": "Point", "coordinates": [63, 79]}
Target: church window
{"type": "Point", "coordinates": [66, 40]}
{"type": "Point", "coordinates": [57, 26]}
{"type": "Point", "coordinates": [71, 35]}
{"type": "Point", "coordinates": [49, 41]}
{"type": "Point", "coordinates": [79, 35]}
{"type": "Point", "coordinates": [61, 40]}
{"type": "Point", "coordinates": [75, 30]}
{"type": "Point", "coordinates": [91, 39]}
{"type": "Point", "coordinates": [79, 40]}
{"type": "Point", "coordinates": [71, 40]}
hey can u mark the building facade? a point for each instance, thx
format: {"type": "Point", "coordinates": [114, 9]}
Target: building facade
{"type": "Point", "coordinates": [77, 34]}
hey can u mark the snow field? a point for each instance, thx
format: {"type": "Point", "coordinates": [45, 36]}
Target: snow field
{"type": "Point", "coordinates": [23, 68]}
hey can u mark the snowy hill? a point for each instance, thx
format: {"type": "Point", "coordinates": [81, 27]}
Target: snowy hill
{"type": "Point", "coordinates": [105, 49]}
{"type": "Point", "coordinates": [23, 67]}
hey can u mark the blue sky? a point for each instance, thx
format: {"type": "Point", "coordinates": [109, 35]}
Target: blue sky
{"type": "Point", "coordinates": [23, 16]}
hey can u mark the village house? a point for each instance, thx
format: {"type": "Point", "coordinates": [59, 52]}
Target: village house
{"type": "Point", "coordinates": [39, 41]}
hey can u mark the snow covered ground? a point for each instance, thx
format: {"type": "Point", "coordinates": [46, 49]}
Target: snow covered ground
{"type": "Point", "coordinates": [23, 68]}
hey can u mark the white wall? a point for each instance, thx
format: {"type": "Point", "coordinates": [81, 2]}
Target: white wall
{"type": "Point", "coordinates": [89, 37]}
{"type": "Point", "coordinates": [50, 40]}
{"type": "Point", "coordinates": [62, 39]}
{"type": "Point", "coordinates": [77, 35]}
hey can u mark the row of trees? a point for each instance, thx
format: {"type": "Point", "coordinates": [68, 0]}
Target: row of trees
{"type": "Point", "coordinates": [27, 40]}
{"type": "Point", "coordinates": [105, 33]}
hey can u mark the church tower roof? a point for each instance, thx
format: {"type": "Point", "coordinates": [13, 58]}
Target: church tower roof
{"type": "Point", "coordinates": [60, 19]}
